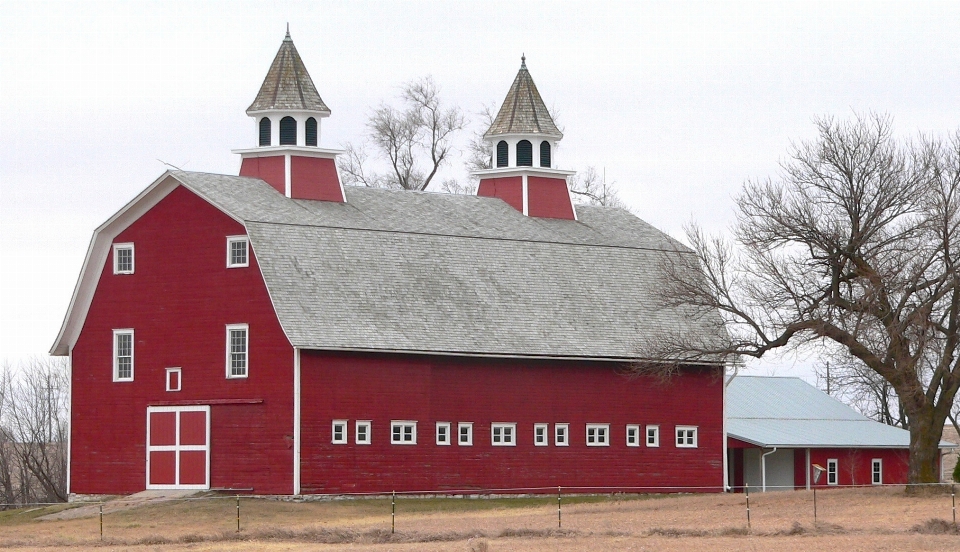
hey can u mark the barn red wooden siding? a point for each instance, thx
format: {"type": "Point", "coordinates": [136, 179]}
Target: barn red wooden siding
{"type": "Point", "coordinates": [853, 465]}
{"type": "Point", "coordinates": [508, 188]}
{"type": "Point", "coordinates": [381, 388]}
{"type": "Point", "coordinates": [548, 197]}
{"type": "Point", "coordinates": [178, 302]}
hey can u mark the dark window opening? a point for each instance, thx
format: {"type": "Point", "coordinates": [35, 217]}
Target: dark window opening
{"type": "Point", "coordinates": [545, 154]}
{"type": "Point", "coordinates": [502, 154]}
{"type": "Point", "coordinates": [288, 131]}
{"type": "Point", "coordinates": [265, 132]}
{"type": "Point", "coordinates": [310, 129]}
{"type": "Point", "coordinates": [524, 154]}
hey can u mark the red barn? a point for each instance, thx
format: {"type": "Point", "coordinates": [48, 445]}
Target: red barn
{"type": "Point", "coordinates": [279, 333]}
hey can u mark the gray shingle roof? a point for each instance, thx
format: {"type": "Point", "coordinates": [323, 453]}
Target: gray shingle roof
{"type": "Point", "coordinates": [791, 413]}
{"type": "Point", "coordinates": [288, 85]}
{"type": "Point", "coordinates": [436, 273]}
{"type": "Point", "coordinates": [523, 110]}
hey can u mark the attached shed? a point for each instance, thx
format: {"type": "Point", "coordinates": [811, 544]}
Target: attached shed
{"type": "Point", "coordinates": [777, 428]}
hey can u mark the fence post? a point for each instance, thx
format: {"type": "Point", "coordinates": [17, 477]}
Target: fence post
{"type": "Point", "coordinates": [814, 506]}
{"type": "Point", "coordinates": [393, 513]}
{"type": "Point", "coordinates": [746, 490]}
{"type": "Point", "coordinates": [953, 499]}
{"type": "Point", "coordinates": [559, 519]}
{"type": "Point", "coordinates": [101, 522]}
{"type": "Point", "coordinates": [238, 513]}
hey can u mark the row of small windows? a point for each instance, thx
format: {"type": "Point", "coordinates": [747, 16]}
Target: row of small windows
{"type": "Point", "coordinates": [876, 471]}
{"type": "Point", "coordinates": [524, 154]}
{"type": "Point", "coordinates": [504, 434]}
{"type": "Point", "coordinates": [237, 355]}
{"type": "Point", "coordinates": [288, 131]}
{"type": "Point", "coordinates": [238, 255]}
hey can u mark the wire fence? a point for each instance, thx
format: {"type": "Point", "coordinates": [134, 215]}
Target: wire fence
{"type": "Point", "coordinates": [571, 494]}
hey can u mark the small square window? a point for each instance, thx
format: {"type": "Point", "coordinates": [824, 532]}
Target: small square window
{"type": "Point", "coordinates": [686, 437]}
{"type": "Point", "coordinates": [465, 434]}
{"type": "Point", "coordinates": [653, 436]}
{"type": "Point", "coordinates": [238, 249]}
{"type": "Point", "coordinates": [123, 355]}
{"type": "Point", "coordinates": [173, 379]}
{"type": "Point", "coordinates": [123, 258]}
{"type": "Point", "coordinates": [443, 433]}
{"type": "Point", "coordinates": [832, 474]}
{"type": "Point", "coordinates": [598, 435]}
{"type": "Point", "coordinates": [237, 347]}
{"type": "Point", "coordinates": [540, 434]}
{"type": "Point", "coordinates": [403, 432]}
{"type": "Point", "coordinates": [339, 432]}
{"type": "Point", "coordinates": [633, 435]}
{"type": "Point", "coordinates": [362, 428]}
{"type": "Point", "coordinates": [561, 432]}
{"type": "Point", "coordinates": [503, 434]}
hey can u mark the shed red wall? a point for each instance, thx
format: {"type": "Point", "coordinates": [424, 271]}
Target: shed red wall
{"type": "Point", "coordinates": [854, 465]}
{"type": "Point", "coordinates": [548, 197]}
{"type": "Point", "coordinates": [509, 189]}
{"type": "Point", "coordinates": [271, 170]}
{"type": "Point", "coordinates": [178, 302]}
{"type": "Point", "coordinates": [382, 388]}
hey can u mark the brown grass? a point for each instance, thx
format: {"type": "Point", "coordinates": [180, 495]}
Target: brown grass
{"type": "Point", "coordinates": [848, 520]}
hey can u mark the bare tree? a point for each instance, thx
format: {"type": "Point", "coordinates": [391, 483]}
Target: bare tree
{"type": "Point", "coordinates": [858, 385]}
{"type": "Point", "coordinates": [856, 245]}
{"type": "Point", "coordinates": [415, 141]}
{"type": "Point", "coordinates": [591, 188]}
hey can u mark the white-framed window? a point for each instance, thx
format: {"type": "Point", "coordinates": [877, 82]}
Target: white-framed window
{"type": "Point", "coordinates": [238, 251]}
{"type": "Point", "coordinates": [633, 435]}
{"type": "Point", "coordinates": [653, 436]}
{"type": "Point", "coordinates": [832, 472]}
{"type": "Point", "coordinates": [362, 432]}
{"type": "Point", "coordinates": [540, 434]}
{"type": "Point", "coordinates": [123, 355]}
{"type": "Point", "coordinates": [174, 380]}
{"type": "Point", "coordinates": [339, 433]}
{"type": "Point", "coordinates": [686, 436]}
{"type": "Point", "coordinates": [403, 432]}
{"type": "Point", "coordinates": [561, 435]}
{"type": "Point", "coordinates": [238, 347]}
{"type": "Point", "coordinates": [123, 258]}
{"type": "Point", "coordinates": [443, 433]}
{"type": "Point", "coordinates": [465, 434]}
{"type": "Point", "coordinates": [876, 470]}
{"type": "Point", "coordinates": [503, 434]}
{"type": "Point", "coordinates": [598, 435]}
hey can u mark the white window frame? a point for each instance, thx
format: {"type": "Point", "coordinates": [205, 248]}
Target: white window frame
{"type": "Point", "coordinates": [833, 471]}
{"type": "Point", "coordinates": [357, 438]}
{"type": "Point", "coordinates": [541, 437]}
{"type": "Point", "coordinates": [339, 426]}
{"type": "Point", "coordinates": [443, 439]}
{"type": "Point", "coordinates": [598, 435]}
{"type": "Point", "coordinates": [246, 348]}
{"type": "Point", "coordinates": [686, 436]}
{"type": "Point", "coordinates": [652, 437]}
{"type": "Point", "coordinates": [503, 434]}
{"type": "Point", "coordinates": [468, 426]}
{"type": "Point", "coordinates": [403, 425]}
{"type": "Point", "coordinates": [133, 258]}
{"type": "Point", "coordinates": [876, 471]}
{"type": "Point", "coordinates": [561, 435]}
{"type": "Point", "coordinates": [116, 356]}
{"type": "Point", "coordinates": [238, 239]}
{"type": "Point", "coordinates": [179, 374]}
{"type": "Point", "coordinates": [633, 435]}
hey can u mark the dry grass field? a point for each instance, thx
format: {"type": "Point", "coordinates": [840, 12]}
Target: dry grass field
{"type": "Point", "coordinates": [848, 520]}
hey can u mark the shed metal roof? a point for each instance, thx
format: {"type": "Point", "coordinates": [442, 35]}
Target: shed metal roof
{"type": "Point", "coordinates": [791, 413]}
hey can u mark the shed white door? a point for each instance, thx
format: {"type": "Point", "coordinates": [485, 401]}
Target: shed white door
{"type": "Point", "coordinates": [178, 447]}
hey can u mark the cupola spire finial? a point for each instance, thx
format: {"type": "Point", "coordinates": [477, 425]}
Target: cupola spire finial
{"type": "Point", "coordinates": [523, 61]}
{"type": "Point", "coordinates": [288, 32]}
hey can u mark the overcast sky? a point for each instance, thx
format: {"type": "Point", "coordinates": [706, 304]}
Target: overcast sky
{"type": "Point", "coordinates": [678, 103]}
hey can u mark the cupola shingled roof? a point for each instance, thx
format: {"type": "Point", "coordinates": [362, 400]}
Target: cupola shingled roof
{"type": "Point", "coordinates": [523, 110]}
{"type": "Point", "coordinates": [288, 86]}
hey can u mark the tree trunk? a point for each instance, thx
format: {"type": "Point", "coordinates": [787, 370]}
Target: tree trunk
{"type": "Point", "coordinates": [926, 427]}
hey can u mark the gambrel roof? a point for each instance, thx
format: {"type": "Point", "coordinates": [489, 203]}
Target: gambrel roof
{"type": "Point", "coordinates": [288, 86]}
{"type": "Point", "coordinates": [523, 110]}
{"type": "Point", "coordinates": [420, 272]}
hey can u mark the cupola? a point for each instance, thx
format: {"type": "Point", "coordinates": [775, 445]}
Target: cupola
{"type": "Point", "coordinates": [523, 142]}
{"type": "Point", "coordinates": [287, 113]}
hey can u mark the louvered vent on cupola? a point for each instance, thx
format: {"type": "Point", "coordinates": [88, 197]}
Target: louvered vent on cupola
{"type": "Point", "coordinates": [310, 131]}
{"type": "Point", "coordinates": [545, 154]}
{"type": "Point", "coordinates": [288, 131]}
{"type": "Point", "coordinates": [265, 131]}
{"type": "Point", "coordinates": [524, 153]}
{"type": "Point", "coordinates": [503, 153]}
